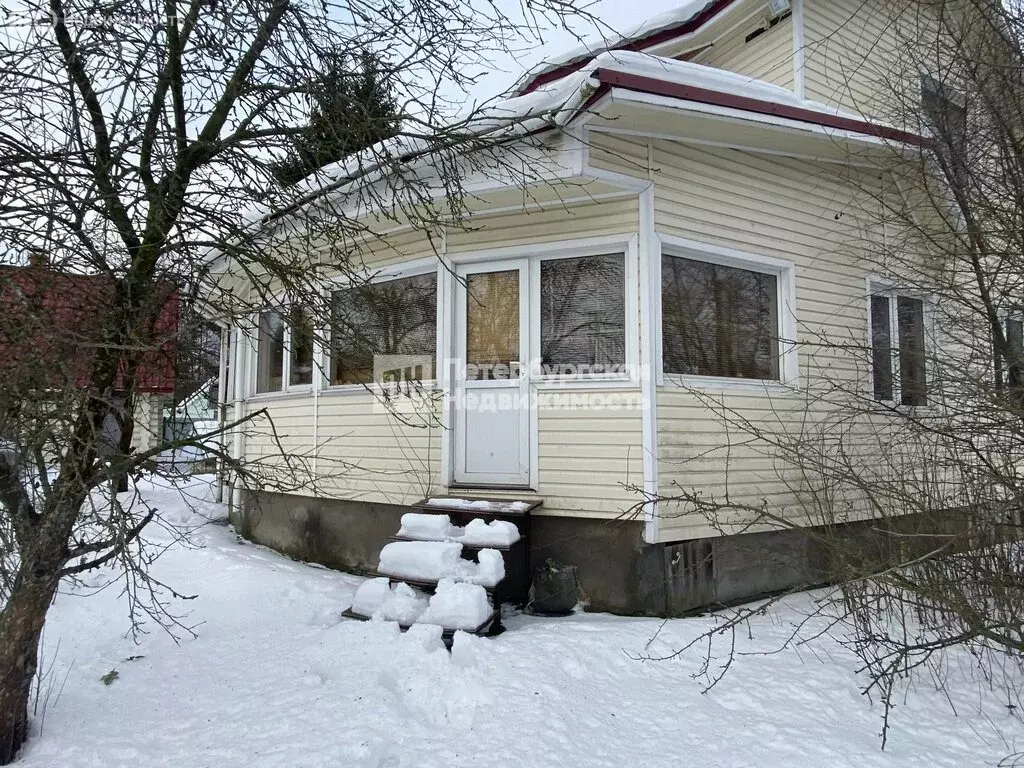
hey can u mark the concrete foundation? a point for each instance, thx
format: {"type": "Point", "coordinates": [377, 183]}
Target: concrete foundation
{"type": "Point", "coordinates": [617, 572]}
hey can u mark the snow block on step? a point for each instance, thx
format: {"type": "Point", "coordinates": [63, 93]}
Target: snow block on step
{"type": "Point", "coordinates": [402, 604]}
{"type": "Point", "coordinates": [497, 533]}
{"type": "Point", "coordinates": [457, 606]}
{"type": "Point", "coordinates": [378, 600]}
{"type": "Point", "coordinates": [487, 571]}
{"type": "Point", "coordinates": [420, 560]}
{"type": "Point", "coordinates": [370, 597]}
{"type": "Point", "coordinates": [425, 527]}
{"type": "Point", "coordinates": [425, 636]}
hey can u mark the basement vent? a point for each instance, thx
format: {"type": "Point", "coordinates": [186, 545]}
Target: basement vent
{"type": "Point", "coordinates": [766, 26]}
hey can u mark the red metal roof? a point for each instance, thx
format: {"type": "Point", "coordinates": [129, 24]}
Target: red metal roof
{"type": "Point", "coordinates": [52, 327]}
{"type": "Point", "coordinates": [637, 44]}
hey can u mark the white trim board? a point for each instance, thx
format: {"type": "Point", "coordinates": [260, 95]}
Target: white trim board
{"type": "Point", "coordinates": [789, 364]}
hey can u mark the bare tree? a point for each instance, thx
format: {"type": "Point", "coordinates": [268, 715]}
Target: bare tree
{"type": "Point", "coordinates": [900, 456]}
{"type": "Point", "coordinates": [138, 139]}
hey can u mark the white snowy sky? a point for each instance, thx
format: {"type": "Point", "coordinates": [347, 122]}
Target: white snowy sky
{"type": "Point", "coordinates": [619, 15]}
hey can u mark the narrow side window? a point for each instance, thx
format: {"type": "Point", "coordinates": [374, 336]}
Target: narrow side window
{"type": "Point", "coordinates": [881, 349]}
{"type": "Point", "coordinates": [270, 352]}
{"type": "Point", "coordinates": [913, 382]}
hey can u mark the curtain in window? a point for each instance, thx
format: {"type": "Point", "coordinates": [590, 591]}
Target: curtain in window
{"type": "Point", "coordinates": [583, 315]}
{"type": "Point", "coordinates": [492, 325]}
{"type": "Point", "coordinates": [718, 320]}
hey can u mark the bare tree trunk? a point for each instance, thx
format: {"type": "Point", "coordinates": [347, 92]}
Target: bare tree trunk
{"type": "Point", "coordinates": [21, 625]}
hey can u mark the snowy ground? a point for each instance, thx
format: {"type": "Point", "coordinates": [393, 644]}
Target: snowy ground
{"type": "Point", "coordinates": [277, 678]}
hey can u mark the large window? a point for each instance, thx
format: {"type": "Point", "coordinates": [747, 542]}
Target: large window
{"type": "Point", "coordinates": [284, 349]}
{"type": "Point", "coordinates": [719, 320]}
{"type": "Point", "coordinates": [583, 315]}
{"type": "Point", "coordinates": [395, 317]}
{"type": "Point", "coordinates": [898, 353]}
{"type": "Point", "coordinates": [1009, 360]}
{"type": "Point", "coordinates": [944, 114]}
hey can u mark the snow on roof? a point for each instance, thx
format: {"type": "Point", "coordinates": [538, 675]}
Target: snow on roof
{"type": "Point", "coordinates": [553, 105]}
{"type": "Point", "coordinates": [676, 17]}
{"type": "Point", "coordinates": [710, 78]}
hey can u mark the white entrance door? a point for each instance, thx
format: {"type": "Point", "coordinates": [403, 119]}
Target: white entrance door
{"type": "Point", "coordinates": [492, 412]}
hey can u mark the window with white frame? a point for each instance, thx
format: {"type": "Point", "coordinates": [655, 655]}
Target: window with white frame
{"type": "Point", "coordinates": [284, 349]}
{"type": "Point", "coordinates": [943, 111]}
{"type": "Point", "coordinates": [392, 317]}
{"type": "Point", "coordinates": [583, 315]}
{"type": "Point", "coordinates": [1009, 359]}
{"type": "Point", "coordinates": [898, 351]}
{"type": "Point", "coordinates": [720, 320]}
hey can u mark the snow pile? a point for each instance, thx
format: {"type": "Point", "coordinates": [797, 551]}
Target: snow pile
{"type": "Point", "coordinates": [497, 533]}
{"type": "Point", "coordinates": [710, 78]}
{"type": "Point", "coordinates": [420, 560]}
{"type": "Point", "coordinates": [479, 533]}
{"type": "Point", "coordinates": [425, 527]}
{"type": "Point", "coordinates": [363, 694]}
{"type": "Point", "coordinates": [370, 596]}
{"type": "Point", "coordinates": [457, 606]}
{"type": "Point", "coordinates": [402, 604]}
{"type": "Point", "coordinates": [436, 560]}
{"type": "Point", "coordinates": [487, 571]}
{"type": "Point", "coordinates": [478, 505]}
{"type": "Point", "coordinates": [675, 17]}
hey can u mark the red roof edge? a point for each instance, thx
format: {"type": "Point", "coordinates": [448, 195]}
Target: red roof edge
{"type": "Point", "coordinates": [657, 87]}
{"type": "Point", "coordinates": [639, 44]}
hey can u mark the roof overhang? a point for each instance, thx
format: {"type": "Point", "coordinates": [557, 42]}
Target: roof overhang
{"type": "Point", "coordinates": [756, 107]}
{"type": "Point", "coordinates": [648, 42]}
{"type": "Point", "coordinates": [634, 104]}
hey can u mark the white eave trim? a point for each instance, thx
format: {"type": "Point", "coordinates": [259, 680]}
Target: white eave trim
{"type": "Point", "coordinates": [768, 122]}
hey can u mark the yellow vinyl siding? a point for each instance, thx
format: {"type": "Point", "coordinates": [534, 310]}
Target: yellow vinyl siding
{"type": "Point", "coordinates": [807, 213]}
{"type": "Point", "coordinates": [866, 55]}
{"type": "Point", "coordinates": [366, 452]}
{"type": "Point", "coordinates": [587, 452]}
{"type": "Point", "coordinates": [769, 56]}
{"type": "Point", "coordinates": [552, 225]}
{"type": "Point", "coordinates": [588, 455]}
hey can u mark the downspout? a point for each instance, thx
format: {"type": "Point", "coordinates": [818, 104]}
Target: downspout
{"type": "Point", "coordinates": [649, 294]}
{"type": "Point", "coordinates": [237, 436]}
{"type": "Point", "coordinates": [319, 371]}
{"type": "Point", "coordinates": [799, 44]}
{"type": "Point", "coordinates": [222, 407]}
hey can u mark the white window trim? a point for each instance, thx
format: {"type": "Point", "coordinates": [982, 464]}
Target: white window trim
{"type": "Point", "coordinates": [284, 308]}
{"type": "Point", "coordinates": [782, 269]}
{"type": "Point", "coordinates": [322, 358]}
{"type": "Point", "coordinates": [878, 286]}
{"type": "Point", "coordinates": [628, 246]}
{"type": "Point", "coordinates": [628, 378]}
{"type": "Point", "coordinates": [1004, 314]}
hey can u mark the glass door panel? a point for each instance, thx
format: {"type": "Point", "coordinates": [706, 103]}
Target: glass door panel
{"type": "Point", "coordinates": [492, 325]}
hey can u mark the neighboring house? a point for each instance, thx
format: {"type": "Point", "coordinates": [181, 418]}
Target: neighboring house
{"type": "Point", "coordinates": [50, 328]}
{"type": "Point", "coordinates": [195, 415]}
{"type": "Point", "coordinates": [693, 218]}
